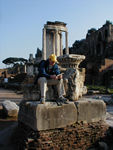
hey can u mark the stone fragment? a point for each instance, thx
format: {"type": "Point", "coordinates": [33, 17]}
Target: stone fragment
{"type": "Point", "coordinates": [10, 108]}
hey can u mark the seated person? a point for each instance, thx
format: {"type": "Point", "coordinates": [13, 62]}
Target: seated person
{"type": "Point", "coordinates": [49, 74]}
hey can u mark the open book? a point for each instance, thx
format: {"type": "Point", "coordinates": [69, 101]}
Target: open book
{"type": "Point", "coordinates": [60, 74]}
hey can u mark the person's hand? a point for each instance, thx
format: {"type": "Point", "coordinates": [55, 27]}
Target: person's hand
{"type": "Point", "coordinates": [53, 76]}
{"type": "Point", "coordinates": [59, 76]}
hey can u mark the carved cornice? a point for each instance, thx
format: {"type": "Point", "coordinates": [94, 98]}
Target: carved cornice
{"type": "Point", "coordinates": [70, 61]}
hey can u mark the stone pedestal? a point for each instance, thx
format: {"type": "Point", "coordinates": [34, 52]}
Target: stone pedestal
{"type": "Point", "coordinates": [70, 60]}
{"type": "Point", "coordinates": [74, 76]}
{"type": "Point", "coordinates": [51, 116]}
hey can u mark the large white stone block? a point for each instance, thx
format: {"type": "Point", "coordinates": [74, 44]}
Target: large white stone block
{"type": "Point", "coordinates": [47, 116]}
{"type": "Point", "coordinates": [50, 116]}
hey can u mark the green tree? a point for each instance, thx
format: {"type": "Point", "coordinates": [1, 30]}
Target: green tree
{"type": "Point", "coordinates": [77, 44]}
{"type": "Point", "coordinates": [14, 60]}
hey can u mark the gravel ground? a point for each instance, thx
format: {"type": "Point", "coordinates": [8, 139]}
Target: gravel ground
{"type": "Point", "coordinates": [10, 95]}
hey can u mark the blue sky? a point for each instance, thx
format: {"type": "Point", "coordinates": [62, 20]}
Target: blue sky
{"type": "Point", "coordinates": [22, 21]}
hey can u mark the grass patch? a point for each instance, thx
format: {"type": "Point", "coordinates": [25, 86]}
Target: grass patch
{"type": "Point", "coordinates": [110, 90]}
{"type": "Point", "coordinates": [101, 89]}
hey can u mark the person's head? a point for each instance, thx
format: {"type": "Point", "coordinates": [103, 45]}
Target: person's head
{"type": "Point", "coordinates": [52, 59]}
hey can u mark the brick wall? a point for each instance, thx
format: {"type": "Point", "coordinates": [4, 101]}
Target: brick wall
{"type": "Point", "coordinates": [79, 136]}
{"type": "Point", "coordinates": [108, 63]}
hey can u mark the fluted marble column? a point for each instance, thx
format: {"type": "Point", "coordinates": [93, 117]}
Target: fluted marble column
{"type": "Point", "coordinates": [56, 43]}
{"type": "Point", "coordinates": [44, 45]}
{"type": "Point", "coordinates": [66, 42]}
{"type": "Point", "coordinates": [61, 50]}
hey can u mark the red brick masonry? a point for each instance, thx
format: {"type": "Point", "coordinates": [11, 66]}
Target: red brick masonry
{"type": "Point", "coordinates": [79, 136]}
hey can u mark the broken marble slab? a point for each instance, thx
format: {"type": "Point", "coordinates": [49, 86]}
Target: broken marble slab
{"type": "Point", "coordinates": [10, 108]}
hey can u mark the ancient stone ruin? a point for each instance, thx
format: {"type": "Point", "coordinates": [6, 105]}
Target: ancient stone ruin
{"type": "Point", "coordinates": [52, 39]}
{"type": "Point", "coordinates": [74, 76]}
{"type": "Point", "coordinates": [74, 125]}
{"type": "Point", "coordinates": [98, 49]}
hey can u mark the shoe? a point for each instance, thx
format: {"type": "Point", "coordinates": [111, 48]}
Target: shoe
{"type": "Point", "coordinates": [42, 101]}
{"type": "Point", "coordinates": [62, 98]}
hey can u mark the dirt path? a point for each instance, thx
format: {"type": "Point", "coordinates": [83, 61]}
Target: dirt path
{"type": "Point", "coordinates": [6, 94]}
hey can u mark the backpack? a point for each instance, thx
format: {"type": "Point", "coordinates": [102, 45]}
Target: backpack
{"type": "Point", "coordinates": [39, 65]}
{"type": "Point", "coordinates": [42, 61]}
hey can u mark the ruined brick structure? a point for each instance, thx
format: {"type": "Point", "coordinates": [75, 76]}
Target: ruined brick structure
{"type": "Point", "coordinates": [78, 136]}
{"type": "Point", "coordinates": [97, 47]}
{"type": "Point", "coordinates": [98, 41]}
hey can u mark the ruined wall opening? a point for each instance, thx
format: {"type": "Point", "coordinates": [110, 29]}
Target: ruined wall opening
{"type": "Point", "coordinates": [106, 34]}
{"type": "Point", "coordinates": [98, 49]}
{"type": "Point", "coordinates": [63, 43]}
{"type": "Point", "coordinates": [93, 48]}
{"type": "Point", "coordinates": [100, 37]}
{"type": "Point", "coordinates": [104, 48]}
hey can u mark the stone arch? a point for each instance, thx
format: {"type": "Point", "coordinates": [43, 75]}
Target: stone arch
{"type": "Point", "coordinates": [92, 52]}
{"type": "Point", "coordinates": [98, 49]}
{"type": "Point", "coordinates": [93, 47]}
{"type": "Point", "coordinates": [106, 33]}
{"type": "Point", "coordinates": [99, 37]}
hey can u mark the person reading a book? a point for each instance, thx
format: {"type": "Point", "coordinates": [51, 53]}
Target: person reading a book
{"type": "Point", "coordinates": [49, 74]}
